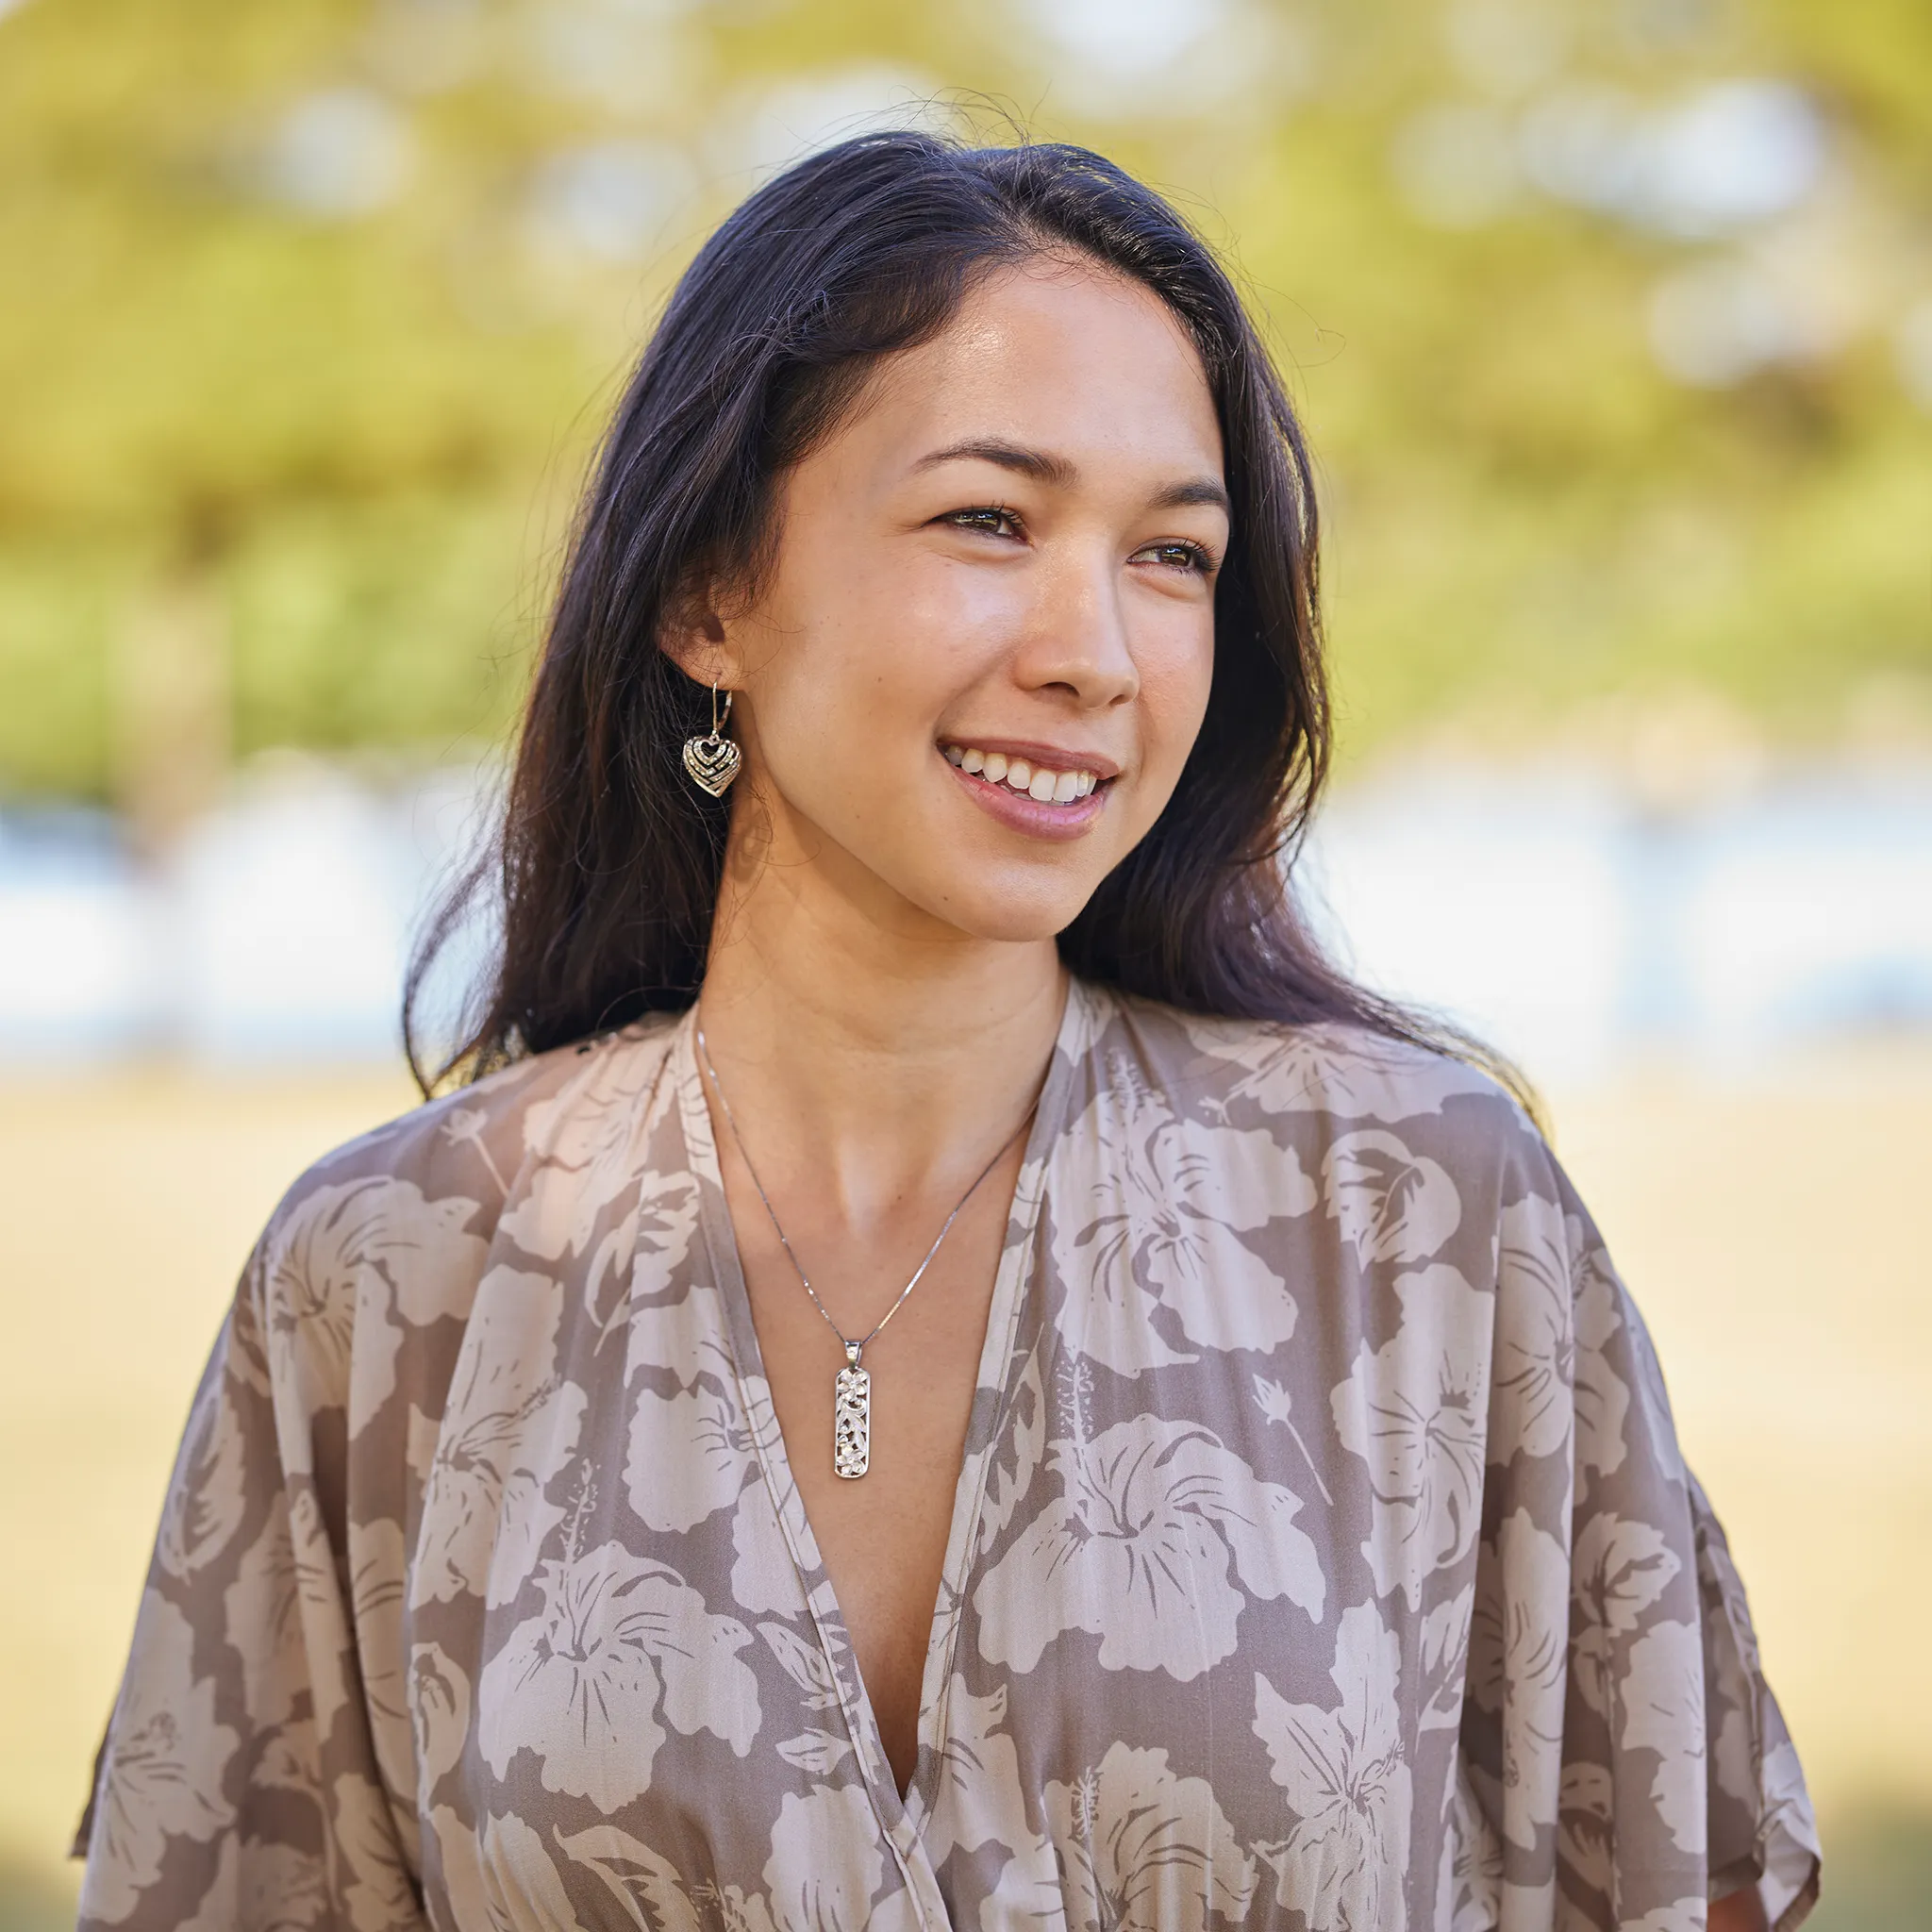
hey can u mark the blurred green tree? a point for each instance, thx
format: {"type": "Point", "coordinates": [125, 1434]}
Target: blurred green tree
{"type": "Point", "coordinates": [1612, 321]}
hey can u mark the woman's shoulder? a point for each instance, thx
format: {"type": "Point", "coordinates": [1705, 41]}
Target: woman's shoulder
{"type": "Point", "coordinates": [1334, 1076]}
{"type": "Point", "coordinates": [446, 1172]}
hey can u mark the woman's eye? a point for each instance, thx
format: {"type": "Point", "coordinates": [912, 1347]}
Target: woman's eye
{"type": "Point", "coordinates": [988, 517]}
{"type": "Point", "coordinates": [1181, 557]}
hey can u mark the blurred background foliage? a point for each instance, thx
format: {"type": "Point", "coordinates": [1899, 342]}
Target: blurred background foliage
{"type": "Point", "coordinates": [1611, 320]}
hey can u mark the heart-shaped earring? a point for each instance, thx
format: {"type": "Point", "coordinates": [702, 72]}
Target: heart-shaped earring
{"type": "Point", "coordinates": [711, 758]}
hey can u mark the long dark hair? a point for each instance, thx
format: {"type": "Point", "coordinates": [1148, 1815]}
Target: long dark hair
{"type": "Point", "coordinates": [610, 859]}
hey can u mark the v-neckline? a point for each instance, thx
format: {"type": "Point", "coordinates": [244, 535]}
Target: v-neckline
{"type": "Point", "coordinates": [903, 1818]}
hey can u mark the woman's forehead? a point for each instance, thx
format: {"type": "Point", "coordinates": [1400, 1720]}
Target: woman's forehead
{"type": "Point", "coordinates": [1056, 355]}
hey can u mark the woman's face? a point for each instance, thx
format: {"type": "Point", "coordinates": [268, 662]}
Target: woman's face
{"type": "Point", "coordinates": [971, 679]}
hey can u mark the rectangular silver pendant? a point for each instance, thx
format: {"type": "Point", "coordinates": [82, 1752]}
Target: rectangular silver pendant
{"type": "Point", "coordinates": [852, 1422]}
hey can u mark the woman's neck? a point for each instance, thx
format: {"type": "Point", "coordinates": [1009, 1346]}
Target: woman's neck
{"type": "Point", "coordinates": [870, 1052]}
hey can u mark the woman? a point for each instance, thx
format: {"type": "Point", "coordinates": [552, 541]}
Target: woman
{"type": "Point", "coordinates": [950, 1371]}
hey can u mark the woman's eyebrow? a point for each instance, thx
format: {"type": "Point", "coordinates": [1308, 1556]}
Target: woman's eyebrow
{"type": "Point", "coordinates": [1041, 465]}
{"type": "Point", "coordinates": [1208, 491]}
{"type": "Point", "coordinates": [1062, 472]}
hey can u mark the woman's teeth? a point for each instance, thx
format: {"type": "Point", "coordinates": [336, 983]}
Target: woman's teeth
{"type": "Point", "coordinates": [1036, 782]}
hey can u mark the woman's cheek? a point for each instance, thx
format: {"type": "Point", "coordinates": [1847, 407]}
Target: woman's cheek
{"type": "Point", "coordinates": [1175, 678]}
{"type": "Point", "coordinates": [951, 613]}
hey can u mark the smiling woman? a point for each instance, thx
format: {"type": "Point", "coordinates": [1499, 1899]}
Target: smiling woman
{"type": "Point", "coordinates": [1028, 359]}
{"type": "Point", "coordinates": [946, 1369]}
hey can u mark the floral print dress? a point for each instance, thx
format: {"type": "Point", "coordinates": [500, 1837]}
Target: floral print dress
{"type": "Point", "coordinates": [1321, 1557]}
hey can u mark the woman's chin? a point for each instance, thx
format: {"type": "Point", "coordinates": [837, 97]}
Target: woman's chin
{"type": "Point", "coordinates": [1007, 917]}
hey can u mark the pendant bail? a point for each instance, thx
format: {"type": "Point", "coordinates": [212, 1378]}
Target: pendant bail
{"type": "Point", "coordinates": [852, 1349]}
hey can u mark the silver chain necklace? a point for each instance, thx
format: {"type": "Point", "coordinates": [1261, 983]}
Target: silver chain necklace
{"type": "Point", "coordinates": [852, 1391]}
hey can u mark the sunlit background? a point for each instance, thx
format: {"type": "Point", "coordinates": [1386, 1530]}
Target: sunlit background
{"type": "Point", "coordinates": [1611, 321]}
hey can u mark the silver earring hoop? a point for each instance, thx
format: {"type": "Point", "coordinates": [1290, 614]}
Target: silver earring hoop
{"type": "Point", "coordinates": [711, 758]}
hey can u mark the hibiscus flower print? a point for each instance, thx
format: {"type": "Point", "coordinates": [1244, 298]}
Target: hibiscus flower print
{"type": "Point", "coordinates": [826, 1864]}
{"type": "Point", "coordinates": [1555, 1310]}
{"type": "Point", "coordinates": [327, 1646]}
{"type": "Point", "coordinates": [619, 1642]}
{"type": "Point", "coordinates": [1416, 1412]}
{"type": "Point", "coordinates": [764, 1578]}
{"type": "Point", "coordinates": [812, 1892]}
{"type": "Point", "coordinates": [1585, 1814]}
{"type": "Point", "coordinates": [586, 1146]}
{"type": "Point", "coordinates": [1603, 1398]}
{"type": "Point", "coordinates": [1619, 1567]}
{"type": "Point", "coordinates": [206, 1500]}
{"type": "Point", "coordinates": [637, 1263]}
{"type": "Point", "coordinates": [1469, 1881]}
{"type": "Point", "coordinates": [499, 1877]}
{"type": "Point", "coordinates": [1343, 1860]}
{"type": "Point", "coordinates": [339, 1263]}
{"type": "Point", "coordinates": [379, 1895]}
{"type": "Point", "coordinates": [1391, 1204]}
{"type": "Point", "coordinates": [1441, 1663]}
{"type": "Point", "coordinates": [262, 1618]}
{"type": "Point", "coordinates": [163, 1775]}
{"type": "Point", "coordinates": [1518, 1662]}
{"type": "Point", "coordinates": [1663, 1712]}
{"type": "Point", "coordinates": [690, 1453]}
{"type": "Point", "coordinates": [1013, 1457]}
{"type": "Point", "coordinates": [438, 1715]}
{"type": "Point", "coordinates": [1536, 1347]}
{"type": "Point", "coordinates": [378, 1588]}
{"type": "Point", "coordinates": [510, 1428]}
{"type": "Point", "coordinates": [1137, 1550]}
{"type": "Point", "coordinates": [1336, 1070]}
{"type": "Point", "coordinates": [1141, 1850]}
{"type": "Point", "coordinates": [980, 1807]}
{"type": "Point", "coordinates": [1173, 1197]}
{"type": "Point", "coordinates": [268, 1885]}
{"type": "Point", "coordinates": [649, 1888]}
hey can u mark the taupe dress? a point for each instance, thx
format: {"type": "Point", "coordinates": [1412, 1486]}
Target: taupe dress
{"type": "Point", "coordinates": [1322, 1558]}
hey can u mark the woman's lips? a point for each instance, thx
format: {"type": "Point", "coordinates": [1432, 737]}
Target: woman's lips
{"type": "Point", "coordinates": [1018, 813]}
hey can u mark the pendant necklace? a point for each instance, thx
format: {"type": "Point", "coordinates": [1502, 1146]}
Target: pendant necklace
{"type": "Point", "coordinates": [851, 1390]}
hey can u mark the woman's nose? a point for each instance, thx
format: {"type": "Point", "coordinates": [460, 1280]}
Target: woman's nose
{"type": "Point", "coordinates": [1078, 639]}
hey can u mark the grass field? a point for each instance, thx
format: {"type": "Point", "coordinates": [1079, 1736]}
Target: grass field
{"type": "Point", "coordinates": [1769, 1232]}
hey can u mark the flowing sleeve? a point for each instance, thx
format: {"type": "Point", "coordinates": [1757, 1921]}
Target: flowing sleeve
{"type": "Point", "coordinates": [1624, 1759]}
{"type": "Point", "coordinates": [1762, 1831]}
{"type": "Point", "coordinates": [238, 1786]}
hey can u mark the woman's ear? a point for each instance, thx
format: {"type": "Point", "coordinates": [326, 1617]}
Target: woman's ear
{"type": "Point", "coordinates": [692, 634]}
